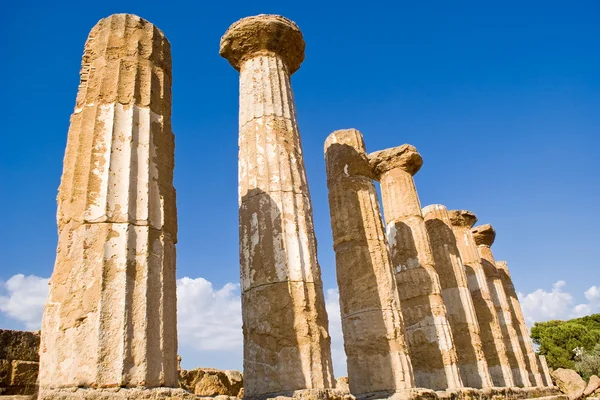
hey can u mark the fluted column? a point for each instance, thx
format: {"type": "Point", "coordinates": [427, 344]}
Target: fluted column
{"type": "Point", "coordinates": [286, 339]}
{"type": "Point", "coordinates": [457, 298]}
{"type": "Point", "coordinates": [484, 236]}
{"type": "Point", "coordinates": [429, 336]}
{"type": "Point", "coordinates": [110, 318]}
{"type": "Point", "coordinates": [518, 320]}
{"type": "Point", "coordinates": [371, 319]}
{"type": "Point", "coordinates": [489, 326]}
{"type": "Point", "coordinates": [544, 371]}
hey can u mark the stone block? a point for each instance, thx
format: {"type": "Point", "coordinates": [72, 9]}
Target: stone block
{"type": "Point", "coordinates": [19, 345]}
{"type": "Point", "coordinates": [24, 373]}
{"type": "Point", "coordinates": [4, 373]}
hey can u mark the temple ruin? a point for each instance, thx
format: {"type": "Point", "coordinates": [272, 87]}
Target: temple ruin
{"type": "Point", "coordinates": [427, 312]}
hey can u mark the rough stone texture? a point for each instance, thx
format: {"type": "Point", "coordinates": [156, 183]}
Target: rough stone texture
{"type": "Point", "coordinates": [210, 382]}
{"type": "Point", "coordinates": [19, 345]}
{"type": "Point", "coordinates": [518, 321]}
{"type": "Point", "coordinates": [110, 318]}
{"type": "Point", "coordinates": [374, 341]}
{"type": "Point", "coordinates": [19, 362]}
{"type": "Point", "coordinates": [286, 339]}
{"type": "Point", "coordinates": [484, 236]}
{"type": "Point", "coordinates": [569, 382]}
{"type": "Point", "coordinates": [457, 298]}
{"type": "Point", "coordinates": [489, 327]}
{"type": "Point", "coordinates": [428, 332]}
{"type": "Point", "coordinates": [116, 393]}
{"type": "Point", "coordinates": [592, 385]}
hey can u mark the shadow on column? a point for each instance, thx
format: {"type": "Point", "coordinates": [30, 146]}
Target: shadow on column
{"type": "Point", "coordinates": [459, 320]}
{"type": "Point", "coordinates": [283, 319]}
{"type": "Point", "coordinates": [415, 286]}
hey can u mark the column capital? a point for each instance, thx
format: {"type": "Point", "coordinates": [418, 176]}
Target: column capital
{"type": "Point", "coordinates": [484, 235]}
{"type": "Point", "coordinates": [405, 157]}
{"type": "Point", "coordinates": [462, 218]}
{"type": "Point", "coordinates": [263, 33]}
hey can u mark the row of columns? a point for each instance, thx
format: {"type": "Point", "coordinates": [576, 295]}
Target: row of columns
{"type": "Point", "coordinates": [462, 320]}
{"type": "Point", "coordinates": [421, 305]}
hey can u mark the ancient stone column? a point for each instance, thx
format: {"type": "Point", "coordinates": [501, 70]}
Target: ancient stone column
{"type": "Point", "coordinates": [372, 323]}
{"type": "Point", "coordinates": [484, 236]}
{"type": "Point", "coordinates": [286, 339]}
{"type": "Point", "coordinates": [544, 371]}
{"type": "Point", "coordinates": [110, 319]}
{"type": "Point", "coordinates": [457, 298]}
{"type": "Point", "coordinates": [428, 332]}
{"type": "Point", "coordinates": [518, 320]}
{"type": "Point", "coordinates": [489, 326]}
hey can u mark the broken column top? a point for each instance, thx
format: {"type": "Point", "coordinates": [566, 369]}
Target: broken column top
{"type": "Point", "coordinates": [263, 33]}
{"type": "Point", "coordinates": [462, 218]}
{"type": "Point", "coordinates": [406, 157]}
{"type": "Point", "coordinates": [432, 208]}
{"type": "Point", "coordinates": [484, 235]}
{"type": "Point", "coordinates": [503, 265]}
{"type": "Point", "coordinates": [346, 155]}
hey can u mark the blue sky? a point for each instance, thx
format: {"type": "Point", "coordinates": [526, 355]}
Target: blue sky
{"type": "Point", "coordinates": [502, 99]}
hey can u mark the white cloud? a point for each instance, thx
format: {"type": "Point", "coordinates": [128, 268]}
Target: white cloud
{"type": "Point", "coordinates": [541, 305]}
{"type": "Point", "coordinates": [209, 319]}
{"type": "Point", "coordinates": [338, 355]}
{"type": "Point", "coordinates": [22, 298]}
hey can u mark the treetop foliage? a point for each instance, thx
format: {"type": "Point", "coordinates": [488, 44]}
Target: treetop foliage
{"type": "Point", "coordinates": [557, 340]}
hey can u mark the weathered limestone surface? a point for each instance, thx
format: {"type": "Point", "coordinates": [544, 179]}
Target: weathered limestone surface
{"type": "Point", "coordinates": [429, 336]}
{"type": "Point", "coordinates": [489, 326]}
{"type": "Point", "coordinates": [457, 298]}
{"type": "Point", "coordinates": [544, 370]}
{"type": "Point", "coordinates": [374, 341]}
{"type": "Point", "coordinates": [518, 320]}
{"type": "Point", "coordinates": [110, 318]}
{"type": "Point", "coordinates": [569, 382]}
{"type": "Point", "coordinates": [286, 339]}
{"type": "Point", "coordinates": [210, 382]}
{"type": "Point", "coordinates": [484, 236]}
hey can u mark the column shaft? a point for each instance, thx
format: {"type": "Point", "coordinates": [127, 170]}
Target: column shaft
{"type": "Point", "coordinates": [110, 318]}
{"type": "Point", "coordinates": [457, 298]}
{"type": "Point", "coordinates": [489, 326]}
{"type": "Point", "coordinates": [509, 334]}
{"type": "Point", "coordinates": [371, 319]}
{"type": "Point", "coordinates": [518, 320]}
{"type": "Point", "coordinates": [544, 370]}
{"type": "Point", "coordinates": [286, 339]}
{"type": "Point", "coordinates": [429, 336]}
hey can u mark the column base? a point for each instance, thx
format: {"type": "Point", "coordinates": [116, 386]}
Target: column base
{"type": "Point", "coordinates": [160, 393]}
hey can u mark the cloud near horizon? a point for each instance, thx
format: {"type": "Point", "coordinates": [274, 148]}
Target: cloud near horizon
{"type": "Point", "coordinates": [210, 319]}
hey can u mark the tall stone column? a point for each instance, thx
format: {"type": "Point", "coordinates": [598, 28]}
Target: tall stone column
{"type": "Point", "coordinates": [429, 336]}
{"type": "Point", "coordinates": [544, 371]}
{"type": "Point", "coordinates": [518, 320]}
{"type": "Point", "coordinates": [484, 236]}
{"type": "Point", "coordinates": [286, 339]}
{"type": "Point", "coordinates": [371, 319]}
{"type": "Point", "coordinates": [489, 326]}
{"type": "Point", "coordinates": [457, 298]}
{"type": "Point", "coordinates": [110, 318]}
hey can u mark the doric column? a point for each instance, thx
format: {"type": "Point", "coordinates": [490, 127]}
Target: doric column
{"type": "Point", "coordinates": [544, 371]}
{"type": "Point", "coordinates": [489, 326]}
{"type": "Point", "coordinates": [429, 337]}
{"type": "Point", "coordinates": [518, 320]}
{"type": "Point", "coordinates": [286, 339]}
{"type": "Point", "coordinates": [484, 236]}
{"type": "Point", "coordinates": [457, 298]}
{"type": "Point", "coordinates": [372, 323]}
{"type": "Point", "coordinates": [110, 318]}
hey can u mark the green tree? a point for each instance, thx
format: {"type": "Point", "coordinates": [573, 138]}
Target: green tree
{"type": "Point", "coordinates": [588, 362]}
{"type": "Point", "coordinates": [558, 339]}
